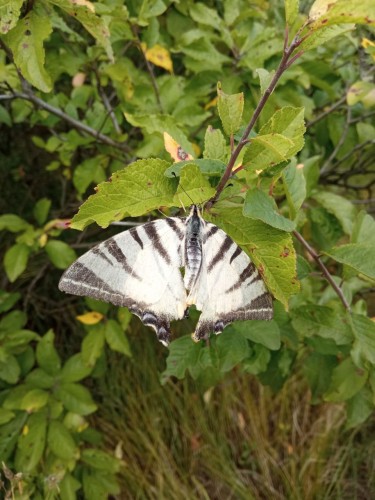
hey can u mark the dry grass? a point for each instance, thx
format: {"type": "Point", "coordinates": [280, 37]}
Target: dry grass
{"type": "Point", "coordinates": [236, 441]}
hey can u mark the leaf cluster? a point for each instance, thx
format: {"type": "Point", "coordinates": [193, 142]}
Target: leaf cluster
{"type": "Point", "coordinates": [279, 152]}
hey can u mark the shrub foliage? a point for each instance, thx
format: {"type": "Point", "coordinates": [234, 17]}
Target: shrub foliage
{"type": "Point", "coordinates": [272, 104]}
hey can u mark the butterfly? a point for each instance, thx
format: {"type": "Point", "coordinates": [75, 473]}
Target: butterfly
{"type": "Point", "coordinates": [161, 268]}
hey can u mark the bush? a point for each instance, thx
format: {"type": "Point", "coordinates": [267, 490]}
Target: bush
{"type": "Point", "coordinates": [279, 151]}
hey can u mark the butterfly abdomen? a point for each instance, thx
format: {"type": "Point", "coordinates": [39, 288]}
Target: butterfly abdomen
{"type": "Point", "coordinates": [193, 250]}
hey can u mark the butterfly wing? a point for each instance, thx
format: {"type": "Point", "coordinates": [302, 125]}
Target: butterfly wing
{"type": "Point", "coordinates": [229, 288]}
{"type": "Point", "coordinates": [139, 269]}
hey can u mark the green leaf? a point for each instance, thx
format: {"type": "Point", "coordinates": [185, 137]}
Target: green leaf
{"type": "Point", "coordinates": [230, 109]}
{"type": "Point", "coordinates": [91, 170]}
{"type": "Point", "coordinates": [10, 370]}
{"type": "Point", "coordinates": [13, 223]}
{"type": "Point", "coordinates": [318, 368]}
{"type": "Point", "coordinates": [346, 381]}
{"type": "Point", "coordinates": [5, 416]}
{"type": "Point", "coordinates": [266, 150]}
{"type": "Point", "coordinates": [98, 485]}
{"type": "Point", "coordinates": [60, 254]}
{"type": "Point", "coordinates": [271, 250]}
{"type": "Point", "coordinates": [295, 187]}
{"type": "Point", "coordinates": [317, 38]}
{"type": "Point", "coordinates": [9, 14]}
{"type": "Point", "coordinates": [359, 408]}
{"type": "Point", "coordinates": [75, 398]}
{"type": "Point", "coordinates": [359, 256]}
{"type": "Point", "coordinates": [192, 186]}
{"type": "Point", "coordinates": [32, 400]}
{"type": "Point", "coordinates": [291, 11]}
{"type": "Point", "coordinates": [61, 442]}
{"type": "Point", "coordinates": [341, 208]}
{"type": "Point", "coordinates": [207, 167]}
{"type": "Point", "coordinates": [8, 300]}
{"type": "Point", "coordinates": [46, 354]}
{"type": "Point", "coordinates": [279, 139]}
{"type": "Point", "coordinates": [75, 369]}
{"type": "Point", "coordinates": [9, 435]}
{"type": "Point", "coordinates": [266, 333]}
{"type": "Point", "coordinates": [41, 210]}
{"type": "Point", "coordinates": [133, 191]}
{"type": "Point", "coordinates": [13, 321]}
{"type": "Point", "coordinates": [310, 320]}
{"type": "Point", "coordinates": [303, 268]}
{"type": "Point", "coordinates": [231, 349]}
{"type": "Point", "coordinates": [100, 460]}
{"type": "Point", "coordinates": [89, 20]}
{"type": "Point", "coordinates": [258, 361]}
{"type": "Point", "coordinates": [116, 338]}
{"type": "Point", "coordinates": [26, 43]}
{"type": "Point", "coordinates": [31, 443]}
{"type": "Point", "coordinates": [259, 206]}
{"type": "Point", "coordinates": [329, 12]}
{"type": "Point", "coordinates": [363, 329]}
{"type": "Point", "coordinates": [92, 345]}
{"type": "Point", "coordinates": [215, 145]}
{"type": "Point", "coordinates": [15, 260]}
{"type": "Point", "coordinates": [68, 487]}
{"type": "Point", "coordinates": [40, 379]}
{"type": "Point", "coordinates": [183, 353]}
{"type": "Point", "coordinates": [363, 229]}
{"type": "Point", "coordinates": [265, 78]}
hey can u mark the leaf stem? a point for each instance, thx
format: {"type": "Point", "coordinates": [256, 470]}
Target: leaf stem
{"type": "Point", "coordinates": [322, 266]}
{"type": "Point", "coordinates": [284, 64]}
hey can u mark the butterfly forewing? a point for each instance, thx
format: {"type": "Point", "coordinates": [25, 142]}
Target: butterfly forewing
{"type": "Point", "coordinates": [139, 269]}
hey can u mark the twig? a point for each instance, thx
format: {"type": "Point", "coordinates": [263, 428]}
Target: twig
{"type": "Point", "coordinates": [325, 271]}
{"type": "Point", "coordinates": [326, 112]}
{"type": "Point", "coordinates": [287, 59]}
{"type": "Point", "coordinates": [107, 103]}
{"type": "Point", "coordinates": [327, 163]}
{"type": "Point", "coordinates": [31, 97]}
{"type": "Point", "coordinates": [149, 69]}
{"type": "Point", "coordinates": [357, 147]}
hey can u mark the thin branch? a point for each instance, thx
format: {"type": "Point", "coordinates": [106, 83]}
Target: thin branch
{"type": "Point", "coordinates": [357, 147]}
{"type": "Point", "coordinates": [325, 271]}
{"type": "Point", "coordinates": [326, 112]}
{"type": "Point", "coordinates": [327, 163]}
{"type": "Point", "coordinates": [107, 103]}
{"type": "Point", "coordinates": [149, 69]}
{"type": "Point", "coordinates": [31, 97]}
{"type": "Point", "coordinates": [287, 59]}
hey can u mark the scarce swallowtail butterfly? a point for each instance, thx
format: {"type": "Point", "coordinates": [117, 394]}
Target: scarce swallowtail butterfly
{"type": "Point", "coordinates": [142, 269]}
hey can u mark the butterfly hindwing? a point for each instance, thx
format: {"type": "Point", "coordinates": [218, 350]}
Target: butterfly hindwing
{"type": "Point", "coordinates": [229, 288]}
{"type": "Point", "coordinates": [139, 269]}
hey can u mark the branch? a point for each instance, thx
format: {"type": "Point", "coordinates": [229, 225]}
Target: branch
{"type": "Point", "coordinates": [326, 112]}
{"type": "Point", "coordinates": [106, 103]}
{"type": "Point", "coordinates": [287, 59]}
{"type": "Point", "coordinates": [149, 69]}
{"type": "Point", "coordinates": [325, 167]}
{"type": "Point", "coordinates": [31, 97]}
{"type": "Point", "coordinates": [325, 271]}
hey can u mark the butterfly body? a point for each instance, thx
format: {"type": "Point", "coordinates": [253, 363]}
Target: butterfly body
{"type": "Point", "coordinates": [141, 269]}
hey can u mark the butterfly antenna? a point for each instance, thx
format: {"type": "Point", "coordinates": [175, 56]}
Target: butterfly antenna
{"type": "Point", "coordinates": [183, 189]}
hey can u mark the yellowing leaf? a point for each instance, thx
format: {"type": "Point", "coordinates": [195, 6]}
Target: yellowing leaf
{"type": "Point", "coordinates": [367, 43]}
{"type": "Point", "coordinates": [43, 240]}
{"type": "Point", "coordinates": [159, 56]}
{"type": "Point", "coordinates": [90, 318]}
{"type": "Point", "coordinates": [212, 103]}
{"type": "Point", "coordinates": [174, 149]}
{"type": "Point", "coordinates": [25, 430]}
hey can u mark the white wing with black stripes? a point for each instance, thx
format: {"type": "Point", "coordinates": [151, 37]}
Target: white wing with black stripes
{"type": "Point", "coordinates": [229, 286]}
{"type": "Point", "coordinates": [139, 269]}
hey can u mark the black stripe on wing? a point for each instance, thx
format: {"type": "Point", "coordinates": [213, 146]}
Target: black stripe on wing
{"type": "Point", "coordinates": [152, 234]}
{"type": "Point", "coordinates": [221, 252]}
{"type": "Point", "coordinates": [116, 252]}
